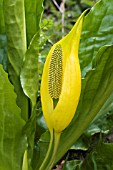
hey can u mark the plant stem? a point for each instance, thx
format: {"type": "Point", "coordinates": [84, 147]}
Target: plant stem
{"type": "Point", "coordinates": [56, 5]}
{"type": "Point", "coordinates": [46, 160]}
{"type": "Point", "coordinates": [56, 143]}
{"type": "Point", "coordinates": [63, 15]}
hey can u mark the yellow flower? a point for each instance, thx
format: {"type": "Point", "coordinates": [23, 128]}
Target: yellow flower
{"type": "Point", "coordinates": [61, 80]}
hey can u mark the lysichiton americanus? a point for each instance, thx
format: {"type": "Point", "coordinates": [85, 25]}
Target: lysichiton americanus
{"type": "Point", "coordinates": [61, 80]}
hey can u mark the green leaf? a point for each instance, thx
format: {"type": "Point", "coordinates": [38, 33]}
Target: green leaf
{"type": "Point", "coordinates": [2, 26]}
{"type": "Point", "coordinates": [98, 82]}
{"type": "Point", "coordinates": [97, 31]}
{"type": "Point", "coordinates": [82, 143]}
{"type": "Point", "coordinates": [12, 142]}
{"type": "Point", "coordinates": [29, 131]}
{"type": "Point", "coordinates": [33, 11]}
{"type": "Point", "coordinates": [29, 72]}
{"type": "Point", "coordinates": [100, 158]}
{"type": "Point", "coordinates": [40, 150]}
{"type": "Point", "coordinates": [71, 165]}
{"type": "Point", "coordinates": [40, 122]}
{"type": "Point", "coordinates": [16, 37]}
{"type": "Point", "coordinates": [14, 16]}
{"type": "Point", "coordinates": [89, 2]}
{"type": "Point", "coordinates": [103, 122]}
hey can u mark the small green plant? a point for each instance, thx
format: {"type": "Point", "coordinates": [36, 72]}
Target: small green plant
{"type": "Point", "coordinates": [24, 137]}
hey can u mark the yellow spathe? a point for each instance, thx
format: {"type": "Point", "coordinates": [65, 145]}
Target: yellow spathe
{"type": "Point", "coordinates": [58, 118]}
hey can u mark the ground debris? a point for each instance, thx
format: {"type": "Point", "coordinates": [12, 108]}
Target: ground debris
{"type": "Point", "coordinates": [60, 165]}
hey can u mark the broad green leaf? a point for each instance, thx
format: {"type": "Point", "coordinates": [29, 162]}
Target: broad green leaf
{"type": "Point", "coordinates": [100, 158]}
{"type": "Point", "coordinates": [33, 11]}
{"type": "Point", "coordinates": [97, 84]}
{"type": "Point", "coordinates": [12, 142]}
{"type": "Point", "coordinates": [2, 26]}
{"type": "Point", "coordinates": [15, 31]}
{"type": "Point", "coordinates": [14, 16]}
{"type": "Point", "coordinates": [97, 31]}
{"type": "Point", "coordinates": [103, 122]}
{"type": "Point", "coordinates": [29, 72]}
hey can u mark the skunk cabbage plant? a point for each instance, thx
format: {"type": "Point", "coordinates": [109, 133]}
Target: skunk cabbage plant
{"type": "Point", "coordinates": [61, 87]}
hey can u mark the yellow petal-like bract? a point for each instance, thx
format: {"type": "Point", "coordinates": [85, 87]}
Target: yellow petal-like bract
{"type": "Point", "coordinates": [61, 80]}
